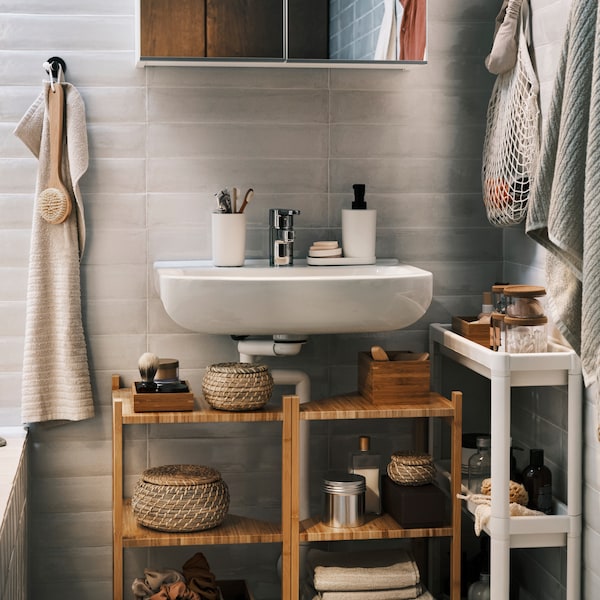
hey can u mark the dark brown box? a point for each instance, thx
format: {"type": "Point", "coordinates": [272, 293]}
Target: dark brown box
{"type": "Point", "coordinates": [395, 381]}
{"type": "Point", "coordinates": [235, 589]}
{"type": "Point", "coordinates": [414, 506]}
{"type": "Point", "coordinates": [156, 402]}
{"type": "Point", "coordinates": [476, 332]}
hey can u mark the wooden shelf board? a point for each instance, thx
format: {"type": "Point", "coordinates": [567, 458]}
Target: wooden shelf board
{"type": "Point", "coordinates": [354, 406]}
{"type": "Point", "coordinates": [203, 413]}
{"type": "Point", "coordinates": [233, 530]}
{"type": "Point", "coordinates": [376, 527]}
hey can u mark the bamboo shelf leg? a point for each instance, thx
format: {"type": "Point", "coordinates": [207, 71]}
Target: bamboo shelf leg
{"type": "Point", "coordinates": [117, 499]}
{"type": "Point", "coordinates": [455, 470]}
{"type": "Point", "coordinates": [290, 503]}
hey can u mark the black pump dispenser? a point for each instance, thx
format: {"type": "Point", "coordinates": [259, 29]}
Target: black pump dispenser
{"type": "Point", "coordinates": [359, 197]}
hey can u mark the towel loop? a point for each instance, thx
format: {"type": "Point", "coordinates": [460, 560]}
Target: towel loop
{"type": "Point", "coordinates": [55, 67]}
{"type": "Point", "coordinates": [56, 63]}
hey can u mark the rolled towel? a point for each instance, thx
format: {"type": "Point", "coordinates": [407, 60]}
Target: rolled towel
{"type": "Point", "coordinates": [352, 571]}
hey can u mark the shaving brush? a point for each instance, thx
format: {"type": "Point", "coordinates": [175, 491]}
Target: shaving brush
{"type": "Point", "coordinates": [148, 365]}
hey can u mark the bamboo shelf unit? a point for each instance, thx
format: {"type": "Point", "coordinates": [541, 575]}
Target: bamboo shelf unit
{"type": "Point", "coordinates": [128, 534]}
{"type": "Point", "coordinates": [427, 406]}
{"type": "Point", "coordinates": [291, 532]}
{"type": "Point", "coordinates": [559, 366]}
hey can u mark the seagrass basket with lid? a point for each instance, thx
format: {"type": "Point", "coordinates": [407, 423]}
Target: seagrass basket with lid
{"type": "Point", "coordinates": [180, 498]}
{"type": "Point", "coordinates": [411, 468]}
{"type": "Point", "coordinates": [237, 386]}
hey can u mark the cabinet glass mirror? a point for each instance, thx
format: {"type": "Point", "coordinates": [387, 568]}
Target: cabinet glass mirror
{"type": "Point", "coordinates": [288, 31]}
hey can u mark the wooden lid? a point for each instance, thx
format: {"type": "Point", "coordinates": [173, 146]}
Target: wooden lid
{"type": "Point", "coordinates": [525, 320]}
{"type": "Point", "coordinates": [524, 291]}
{"type": "Point", "coordinates": [168, 363]}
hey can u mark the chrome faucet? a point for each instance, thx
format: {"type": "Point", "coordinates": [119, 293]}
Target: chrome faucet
{"type": "Point", "coordinates": [281, 236]}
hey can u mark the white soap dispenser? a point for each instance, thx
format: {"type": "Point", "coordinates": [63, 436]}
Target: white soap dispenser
{"type": "Point", "coordinates": [359, 228]}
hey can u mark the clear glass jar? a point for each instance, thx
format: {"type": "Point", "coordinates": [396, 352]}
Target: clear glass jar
{"type": "Point", "coordinates": [480, 590]}
{"type": "Point", "coordinates": [525, 335]}
{"type": "Point", "coordinates": [499, 297]}
{"type": "Point", "coordinates": [480, 464]}
{"type": "Point", "coordinates": [497, 334]}
{"type": "Point", "coordinates": [522, 301]}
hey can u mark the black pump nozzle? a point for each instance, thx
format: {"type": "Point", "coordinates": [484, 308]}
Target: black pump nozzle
{"type": "Point", "coordinates": [359, 197]}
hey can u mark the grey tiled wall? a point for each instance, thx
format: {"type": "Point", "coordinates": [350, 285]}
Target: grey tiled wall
{"type": "Point", "coordinates": [162, 141]}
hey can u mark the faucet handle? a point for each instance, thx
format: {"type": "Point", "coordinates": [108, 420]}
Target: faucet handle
{"type": "Point", "coordinates": [282, 218]}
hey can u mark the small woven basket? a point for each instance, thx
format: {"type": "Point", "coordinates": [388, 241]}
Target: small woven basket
{"type": "Point", "coordinates": [410, 468]}
{"type": "Point", "coordinates": [180, 498]}
{"type": "Point", "coordinates": [237, 386]}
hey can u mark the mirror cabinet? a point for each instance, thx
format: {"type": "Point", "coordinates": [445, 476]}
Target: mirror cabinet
{"type": "Point", "coordinates": [276, 32]}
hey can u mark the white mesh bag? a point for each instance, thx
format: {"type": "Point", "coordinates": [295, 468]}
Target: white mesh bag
{"type": "Point", "coordinates": [512, 139]}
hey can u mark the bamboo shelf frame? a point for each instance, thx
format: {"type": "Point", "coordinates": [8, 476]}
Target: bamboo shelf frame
{"type": "Point", "coordinates": [234, 529]}
{"type": "Point", "coordinates": [354, 406]}
{"type": "Point", "coordinates": [291, 532]}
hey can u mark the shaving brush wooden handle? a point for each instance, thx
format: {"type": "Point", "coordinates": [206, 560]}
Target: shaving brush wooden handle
{"type": "Point", "coordinates": [148, 365]}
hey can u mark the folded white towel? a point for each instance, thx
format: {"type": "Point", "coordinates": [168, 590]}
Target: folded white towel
{"type": "Point", "coordinates": [352, 571]}
{"type": "Point", "coordinates": [415, 592]}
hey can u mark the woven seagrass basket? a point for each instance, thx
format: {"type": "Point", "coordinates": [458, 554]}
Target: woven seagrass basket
{"type": "Point", "coordinates": [180, 498]}
{"type": "Point", "coordinates": [411, 468]}
{"type": "Point", "coordinates": [237, 386]}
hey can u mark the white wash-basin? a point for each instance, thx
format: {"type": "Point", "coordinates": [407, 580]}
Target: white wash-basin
{"type": "Point", "coordinates": [257, 299]}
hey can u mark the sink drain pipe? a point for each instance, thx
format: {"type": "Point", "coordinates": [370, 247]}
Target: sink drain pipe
{"type": "Point", "coordinates": [248, 350]}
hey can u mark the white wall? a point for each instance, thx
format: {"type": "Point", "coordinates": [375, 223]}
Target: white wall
{"type": "Point", "coordinates": [162, 141]}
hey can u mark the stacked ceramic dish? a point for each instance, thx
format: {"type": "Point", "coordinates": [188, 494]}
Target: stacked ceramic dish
{"type": "Point", "coordinates": [325, 249]}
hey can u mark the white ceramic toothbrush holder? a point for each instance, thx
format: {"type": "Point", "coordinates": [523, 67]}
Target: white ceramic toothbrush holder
{"type": "Point", "coordinates": [228, 239]}
{"type": "Point", "coordinates": [359, 233]}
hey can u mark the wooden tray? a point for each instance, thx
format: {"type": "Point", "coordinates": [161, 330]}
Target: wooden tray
{"type": "Point", "coordinates": [161, 402]}
{"type": "Point", "coordinates": [476, 332]}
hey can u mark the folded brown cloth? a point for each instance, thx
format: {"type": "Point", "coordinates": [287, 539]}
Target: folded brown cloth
{"type": "Point", "coordinates": [153, 580]}
{"type": "Point", "coordinates": [175, 591]}
{"type": "Point", "coordinates": [199, 577]}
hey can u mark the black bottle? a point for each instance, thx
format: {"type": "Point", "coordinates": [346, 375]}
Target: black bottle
{"type": "Point", "coordinates": [537, 480]}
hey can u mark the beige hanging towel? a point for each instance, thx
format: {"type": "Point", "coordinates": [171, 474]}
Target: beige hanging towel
{"type": "Point", "coordinates": [56, 380]}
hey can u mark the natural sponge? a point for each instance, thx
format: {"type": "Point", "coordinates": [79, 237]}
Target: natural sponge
{"type": "Point", "coordinates": [516, 492]}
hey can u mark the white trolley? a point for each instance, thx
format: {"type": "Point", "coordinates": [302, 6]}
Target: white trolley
{"type": "Point", "coordinates": [559, 366]}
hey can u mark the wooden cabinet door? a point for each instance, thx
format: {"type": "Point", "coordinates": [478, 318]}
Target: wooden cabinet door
{"type": "Point", "coordinates": [244, 28]}
{"type": "Point", "coordinates": [173, 28]}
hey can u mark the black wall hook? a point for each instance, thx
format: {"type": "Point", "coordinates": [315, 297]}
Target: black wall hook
{"type": "Point", "coordinates": [54, 63]}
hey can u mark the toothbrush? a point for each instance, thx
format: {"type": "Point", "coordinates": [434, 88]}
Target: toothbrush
{"type": "Point", "coordinates": [247, 198]}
